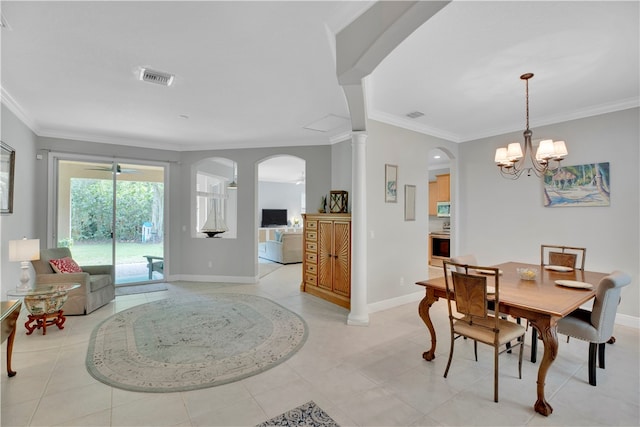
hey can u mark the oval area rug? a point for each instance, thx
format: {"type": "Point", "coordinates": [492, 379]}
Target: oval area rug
{"type": "Point", "coordinates": [190, 343]}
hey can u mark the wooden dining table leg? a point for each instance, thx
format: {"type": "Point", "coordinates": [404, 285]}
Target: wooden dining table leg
{"type": "Point", "coordinates": [546, 328]}
{"type": "Point", "coordinates": [423, 311]}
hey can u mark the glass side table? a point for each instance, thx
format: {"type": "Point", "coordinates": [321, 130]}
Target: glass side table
{"type": "Point", "coordinates": [44, 304]}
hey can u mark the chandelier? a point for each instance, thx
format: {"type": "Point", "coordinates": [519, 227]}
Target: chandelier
{"type": "Point", "coordinates": [512, 161]}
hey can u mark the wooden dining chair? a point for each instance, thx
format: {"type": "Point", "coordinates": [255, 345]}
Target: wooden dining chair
{"type": "Point", "coordinates": [469, 259]}
{"type": "Point", "coordinates": [471, 317]}
{"type": "Point", "coordinates": [564, 256]}
{"type": "Point", "coordinates": [596, 326]}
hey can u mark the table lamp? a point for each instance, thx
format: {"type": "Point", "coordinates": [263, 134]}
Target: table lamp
{"type": "Point", "coordinates": [24, 250]}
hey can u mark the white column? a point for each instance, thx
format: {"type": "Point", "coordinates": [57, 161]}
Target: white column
{"type": "Point", "coordinates": [359, 314]}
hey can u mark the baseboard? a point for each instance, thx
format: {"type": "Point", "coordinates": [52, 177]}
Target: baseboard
{"type": "Point", "coordinates": [214, 279]}
{"type": "Point", "coordinates": [394, 302]}
{"type": "Point", "coordinates": [626, 320]}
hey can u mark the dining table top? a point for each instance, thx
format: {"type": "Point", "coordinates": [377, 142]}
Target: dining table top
{"type": "Point", "coordinates": [540, 295]}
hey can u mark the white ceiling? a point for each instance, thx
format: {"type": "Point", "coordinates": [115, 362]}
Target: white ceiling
{"type": "Point", "coordinates": [251, 74]}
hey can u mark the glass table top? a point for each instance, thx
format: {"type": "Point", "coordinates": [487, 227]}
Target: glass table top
{"type": "Point", "coordinates": [43, 290]}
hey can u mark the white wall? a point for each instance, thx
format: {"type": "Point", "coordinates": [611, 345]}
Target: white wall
{"type": "Point", "coordinates": [504, 220]}
{"type": "Point", "coordinates": [397, 249]}
{"type": "Point", "coordinates": [236, 260]}
{"type": "Point", "coordinates": [341, 170]}
{"type": "Point", "coordinates": [21, 223]}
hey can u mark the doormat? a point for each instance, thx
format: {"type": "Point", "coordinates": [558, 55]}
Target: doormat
{"type": "Point", "coordinates": [307, 415]}
{"type": "Point", "coordinates": [140, 289]}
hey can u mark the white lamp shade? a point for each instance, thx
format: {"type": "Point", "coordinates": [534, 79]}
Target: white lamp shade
{"type": "Point", "coordinates": [545, 150]}
{"type": "Point", "coordinates": [24, 250]}
{"type": "Point", "coordinates": [560, 149]}
{"type": "Point", "coordinates": [514, 151]}
{"type": "Point", "coordinates": [501, 156]}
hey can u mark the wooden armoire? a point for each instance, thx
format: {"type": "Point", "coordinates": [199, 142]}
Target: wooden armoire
{"type": "Point", "coordinates": [326, 270]}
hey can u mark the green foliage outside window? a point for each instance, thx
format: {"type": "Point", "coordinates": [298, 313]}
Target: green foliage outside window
{"type": "Point", "coordinates": [92, 207]}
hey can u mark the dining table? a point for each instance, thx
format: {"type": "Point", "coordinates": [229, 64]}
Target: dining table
{"type": "Point", "coordinates": [540, 300]}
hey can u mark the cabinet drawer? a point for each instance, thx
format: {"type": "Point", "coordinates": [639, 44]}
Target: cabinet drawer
{"type": "Point", "coordinates": [311, 268]}
{"type": "Point", "coordinates": [312, 246]}
{"type": "Point", "coordinates": [312, 236]}
{"type": "Point", "coordinates": [311, 257]}
{"type": "Point", "coordinates": [311, 279]}
{"type": "Point", "coordinates": [311, 224]}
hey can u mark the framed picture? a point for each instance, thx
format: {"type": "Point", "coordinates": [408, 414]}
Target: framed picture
{"type": "Point", "coordinates": [390, 183]}
{"type": "Point", "coordinates": [579, 185]}
{"type": "Point", "coordinates": [7, 172]}
{"type": "Point", "coordinates": [409, 202]}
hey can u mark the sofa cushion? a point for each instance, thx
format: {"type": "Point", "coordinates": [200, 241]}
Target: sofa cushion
{"type": "Point", "coordinates": [99, 281]}
{"type": "Point", "coordinates": [279, 236]}
{"type": "Point", "coordinates": [65, 265]}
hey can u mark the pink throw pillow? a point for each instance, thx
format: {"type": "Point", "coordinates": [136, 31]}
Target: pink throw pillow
{"type": "Point", "coordinates": [65, 265]}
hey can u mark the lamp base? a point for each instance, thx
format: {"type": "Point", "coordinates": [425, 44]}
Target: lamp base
{"type": "Point", "coordinates": [25, 279]}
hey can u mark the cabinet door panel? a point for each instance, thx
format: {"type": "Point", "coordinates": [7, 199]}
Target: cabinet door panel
{"type": "Point", "coordinates": [325, 254]}
{"type": "Point", "coordinates": [341, 271]}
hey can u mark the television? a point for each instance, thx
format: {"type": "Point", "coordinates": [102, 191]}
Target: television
{"type": "Point", "coordinates": [274, 217]}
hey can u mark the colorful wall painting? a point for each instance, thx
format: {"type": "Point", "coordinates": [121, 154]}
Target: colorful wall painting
{"type": "Point", "coordinates": [580, 185]}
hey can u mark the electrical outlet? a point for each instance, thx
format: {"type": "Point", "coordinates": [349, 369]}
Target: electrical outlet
{"type": "Point", "coordinates": [401, 280]}
{"type": "Point", "coordinates": [210, 264]}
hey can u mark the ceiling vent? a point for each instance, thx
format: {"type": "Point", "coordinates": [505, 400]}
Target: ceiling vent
{"type": "Point", "coordinates": [415, 114]}
{"type": "Point", "coordinates": [157, 77]}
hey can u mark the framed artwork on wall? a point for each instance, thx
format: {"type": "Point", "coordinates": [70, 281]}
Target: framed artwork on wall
{"type": "Point", "coordinates": [579, 185]}
{"type": "Point", "coordinates": [390, 183]}
{"type": "Point", "coordinates": [7, 172]}
{"type": "Point", "coordinates": [409, 202]}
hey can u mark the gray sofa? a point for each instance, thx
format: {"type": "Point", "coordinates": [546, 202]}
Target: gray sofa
{"type": "Point", "coordinates": [96, 282]}
{"type": "Point", "coordinates": [286, 248]}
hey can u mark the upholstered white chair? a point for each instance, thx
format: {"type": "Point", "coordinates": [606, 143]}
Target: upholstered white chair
{"type": "Point", "coordinates": [596, 326]}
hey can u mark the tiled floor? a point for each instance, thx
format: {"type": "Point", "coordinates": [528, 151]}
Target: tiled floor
{"type": "Point", "coordinates": [361, 376]}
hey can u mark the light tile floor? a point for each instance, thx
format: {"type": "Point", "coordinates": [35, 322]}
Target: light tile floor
{"type": "Point", "coordinates": [361, 376]}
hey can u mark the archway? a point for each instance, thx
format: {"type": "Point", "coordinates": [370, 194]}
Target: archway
{"type": "Point", "coordinates": [281, 201]}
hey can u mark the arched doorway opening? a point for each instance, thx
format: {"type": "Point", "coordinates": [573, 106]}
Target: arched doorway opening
{"type": "Point", "coordinates": [281, 201]}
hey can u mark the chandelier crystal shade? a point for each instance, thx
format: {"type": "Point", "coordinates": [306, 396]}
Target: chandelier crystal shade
{"type": "Point", "coordinates": [512, 160]}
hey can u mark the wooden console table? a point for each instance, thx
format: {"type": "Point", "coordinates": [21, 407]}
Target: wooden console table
{"type": "Point", "coordinates": [9, 319]}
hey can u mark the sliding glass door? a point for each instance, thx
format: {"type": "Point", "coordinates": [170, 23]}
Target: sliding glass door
{"type": "Point", "coordinates": [112, 213]}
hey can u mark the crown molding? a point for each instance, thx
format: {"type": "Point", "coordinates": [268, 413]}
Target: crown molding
{"type": "Point", "coordinates": [18, 111]}
{"type": "Point", "coordinates": [596, 110]}
{"type": "Point", "coordinates": [411, 125]}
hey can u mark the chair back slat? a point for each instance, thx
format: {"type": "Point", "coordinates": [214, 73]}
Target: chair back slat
{"type": "Point", "coordinates": [565, 256]}
{"type": "Point", "coordinates": [562, 259]}
{"type": "Point", "coordinates": [470, 294]}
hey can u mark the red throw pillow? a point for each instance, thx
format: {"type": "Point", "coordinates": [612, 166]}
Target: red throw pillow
{"type": "Point", "coordinates": [65, 265]}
